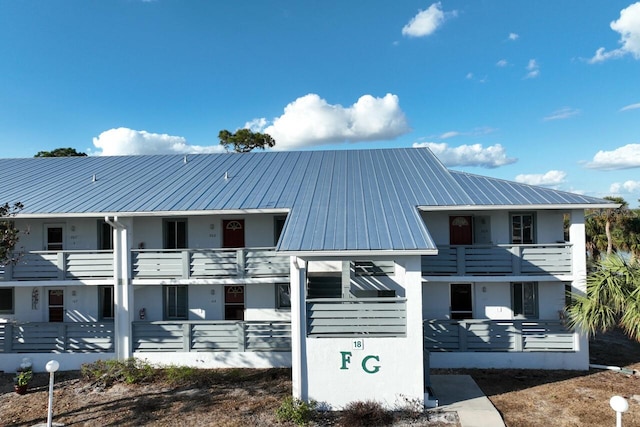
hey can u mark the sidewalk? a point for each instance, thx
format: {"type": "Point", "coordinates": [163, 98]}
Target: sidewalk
{"type": "Point", "coordinates": [461, 394]}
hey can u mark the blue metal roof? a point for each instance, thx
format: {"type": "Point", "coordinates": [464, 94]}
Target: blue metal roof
{"type": "Point", "coordinates": [356, 200]}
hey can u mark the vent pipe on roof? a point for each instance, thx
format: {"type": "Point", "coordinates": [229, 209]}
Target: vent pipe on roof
{"type": "Point", "coordinates": [226, 176]}
{"type": "Point", "coordinates": [184, 159]}
{"type": "Point", "coordinates": [93, 178]}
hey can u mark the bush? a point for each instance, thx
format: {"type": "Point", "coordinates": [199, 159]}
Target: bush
{"type": "Point", "coordinates": [367, 413]}
{"type": "Point", "coordinates": [296, 411]}
{"type": "Point", "coordinates": [109, 372]}
{"type": "Point", "coordinates": [181, 375]}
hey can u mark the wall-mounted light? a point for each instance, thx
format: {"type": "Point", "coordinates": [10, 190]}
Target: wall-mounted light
{"type": "Point", "coordinates": [213, 291]}
{"type": "Point", "coordinates": [73, 228]}
{"type": "Point", "coordinates": [212, 226]}
{"type": "Point", "coordinates": [484, 289]}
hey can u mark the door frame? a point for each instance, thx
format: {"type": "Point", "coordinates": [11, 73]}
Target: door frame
{"type": "Point", "coordinates": [45, 235]}
{"type": "Point", "coordinates": [471, 293]}
{"type": "Point", "coordinates": [48, 291]}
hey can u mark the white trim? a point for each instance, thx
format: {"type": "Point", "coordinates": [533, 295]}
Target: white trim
{"type": "Point", "coordinates": [60, 215]}
{"type": "Point", "coordinates": [426, 208]}
{"type": "Point", "coordinates": [337, 254]}
{"type": "Point", "coordinates": [501, 279]}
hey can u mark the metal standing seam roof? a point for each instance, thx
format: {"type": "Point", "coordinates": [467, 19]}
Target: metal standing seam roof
{"type": "Point", "coordinates": [352, 200]}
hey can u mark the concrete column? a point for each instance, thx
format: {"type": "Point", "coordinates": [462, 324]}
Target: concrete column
{"type": "Point", "coordinates": [123, 294]}
{"type": "Point", "coordinates": [577, 237]}
{"type": "Point", "coordinates": [298, 270]}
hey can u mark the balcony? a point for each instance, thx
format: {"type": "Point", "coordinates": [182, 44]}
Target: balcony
{"type": "Point", "coordinates": [60, 265]}
{"type": "Point", "coordinates": [70, 337]}
{"type": "Point", "coordinates": [149, 264]}
{"type": "Point", "coordinates": [208, 263]}
{"type": "Point", "coordinates": [497, 336]}
{"type": "Point", "coordinates": [194, 336]}
{"type": "Point", "coordinates": [499, 260]}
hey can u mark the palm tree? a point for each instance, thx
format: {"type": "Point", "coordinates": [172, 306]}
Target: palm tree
{"type": "Point", "coordinates": [612, 299]}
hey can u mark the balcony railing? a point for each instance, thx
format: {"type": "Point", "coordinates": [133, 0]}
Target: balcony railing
{"type": "Point", "coordinates": [68, 337]}
{"type": "Point", "coordinates": [149, 264]}
{"type": "Point", "coordinates": [347, 317]}
{"type": "Point", "coordinates": [208, 263]}
{"type": "Point", "coordinates": [499, 260]}
{"type": "Point", "coordinates": [497, 335]}
{"type": "Point", "coordinates": [190, 336]}
{"type": "Point", "coordinates": [60, 265]}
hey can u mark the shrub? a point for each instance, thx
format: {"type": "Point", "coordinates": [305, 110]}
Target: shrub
{"type": "Point", "coordinates": [109, 372]}
{"type": "Point", "coordinates": [296, 411]}
{"type": "Point", "coordinates": [180, 375]}
{"type": "Point", "coordinates": [367, 413]}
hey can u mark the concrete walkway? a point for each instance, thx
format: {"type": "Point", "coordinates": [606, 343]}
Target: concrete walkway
{"type": "Point", "coordinates": [461, 394]}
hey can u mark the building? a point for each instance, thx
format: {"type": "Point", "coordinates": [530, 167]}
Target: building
{"type": "Point", "coordinates": [360, 268]}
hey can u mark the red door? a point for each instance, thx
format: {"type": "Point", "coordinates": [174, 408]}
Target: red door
{"type": "Point", "coordinates": [460, 231]}
{"type": "Point", "coordinates": [234, 302]}
{"type": "Point", "coordinates": [233, 233]}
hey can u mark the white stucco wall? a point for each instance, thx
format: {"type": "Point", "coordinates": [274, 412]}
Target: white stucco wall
{"type": "Point", "coordinates": [336, 372]}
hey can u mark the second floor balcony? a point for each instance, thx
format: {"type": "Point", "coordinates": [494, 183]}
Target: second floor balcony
{"type": "Point", "coordinates": [149, 264]}
{"type": "Point", "coordinates": [552, 259]}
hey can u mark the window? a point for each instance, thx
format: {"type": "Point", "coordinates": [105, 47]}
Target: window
{"type": "Point", "coordinates": [175, 302]}
{"type": "Point", "coordinates": [522, 231]}
{"type": "Point", "coordinates": [105, 301]}
{"type": "Point", "coordinates": [524, 300]}
{"type": "Point", "coordinates": [278, 226]}
{"type": "Point", "coordinates": [6, 301]}
{"type": "Point", "coordinates": [283, 296]}
{"type": "Point", "coordinates": [175, 233]}
{"type": "Point", "coordinates": [105, 236]}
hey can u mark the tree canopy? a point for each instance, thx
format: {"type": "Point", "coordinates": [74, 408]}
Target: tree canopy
{"type": "Point", "coordinates": [612, 298]}
{"type": "Point", "coordinates": [245, 140]}
{"type": "Point", "coordinates": [61, 152]}
{"type": "Point", "coordinates": [8, 232]}
{"type": "Point", "coordinates": [613, 230]}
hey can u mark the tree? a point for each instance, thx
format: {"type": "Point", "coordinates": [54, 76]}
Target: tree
{"type": "Point", "coordinates": [245, 140]}
{"type": "Point", "coordinates": [604, 229]}
{"type": "Point", "coordinates": [61, 152]}
{"type": "Point", "coordinates": [612, 298]}
{"type": "Point", "coordinates": [8, 232]}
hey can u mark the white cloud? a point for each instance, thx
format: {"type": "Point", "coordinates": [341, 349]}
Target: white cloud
{"type": "Point", "coordinates": [561, 114]}
{"type": "Point", "coordinates": [628, 25]}
{"type": "Point", "coordinates": [551, 178]}
{"type": "Point", "coordinates": [502, 63]}
{"type": "Point", "coordinates": [513, 36]}
{"type": "Point", "coordinates": [625, 157]}
{"type": "Point", "coordinates": [449, 134]}
{"type": "Point", "coordinates": [124, 141]}
{"type": "Point", "coordinates": [469, 76]}
{"type": "Point", "coordinates": [426, 22]}
{"type": "Point", "coordinates": [533, 69]}
{"type": "Point", "coordinates": [630, 107]}
{"type": "Point", "coordinates": [310, 120]}
{"type": "Point", "coordinates": [469, 155]}
{"type": "Point", "coordinates": [629, 187]}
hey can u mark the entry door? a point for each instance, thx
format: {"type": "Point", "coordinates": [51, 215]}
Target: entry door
{"type": "Point", "coordinates": [234, 302]}
{"type": "Point", "coordinates": [233, 233]}
{"type": "Point", "coordinates": [461, 301]}
{"type": "Point", "coordinates": [54, 237]}
{"type": "Point", "coordinates": [56, 305]}
{"type": "Point", "coordinates": [460, 230]}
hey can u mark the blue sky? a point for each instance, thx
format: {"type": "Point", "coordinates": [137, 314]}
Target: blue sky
{"type": "Point", "coordinates": [544, 92]}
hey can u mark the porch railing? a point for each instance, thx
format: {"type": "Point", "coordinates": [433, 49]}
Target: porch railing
{"type": "Point", "coordinates": [346, 317]}
{"type": "Point", "coordinates": [538, 259]}
{"type": "Point", "coordinates": [190, 336]}
{"type": "Point", "coordinates": [208, 263]}
{"type": "Point", "coordinates": [67, 337]}
{"type": "Point", "coordinates": [497, 335]}
{"type": "Point", "coordinates": [149, 264]}
{"type": "Point", "coordinates": [60, 265]}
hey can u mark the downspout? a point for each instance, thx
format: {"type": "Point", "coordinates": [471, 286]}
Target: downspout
{"type": "Point", "coordinates": [122, 296]}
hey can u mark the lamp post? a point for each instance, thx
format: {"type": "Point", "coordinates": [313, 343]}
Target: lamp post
{"type": "Point", "coordinates": [51, 367]}
{"type": "Point", "coordinates": [620, 405]}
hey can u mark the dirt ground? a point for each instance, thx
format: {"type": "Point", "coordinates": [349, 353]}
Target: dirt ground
{"type": "Point", "coordinates": [250, 397]}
